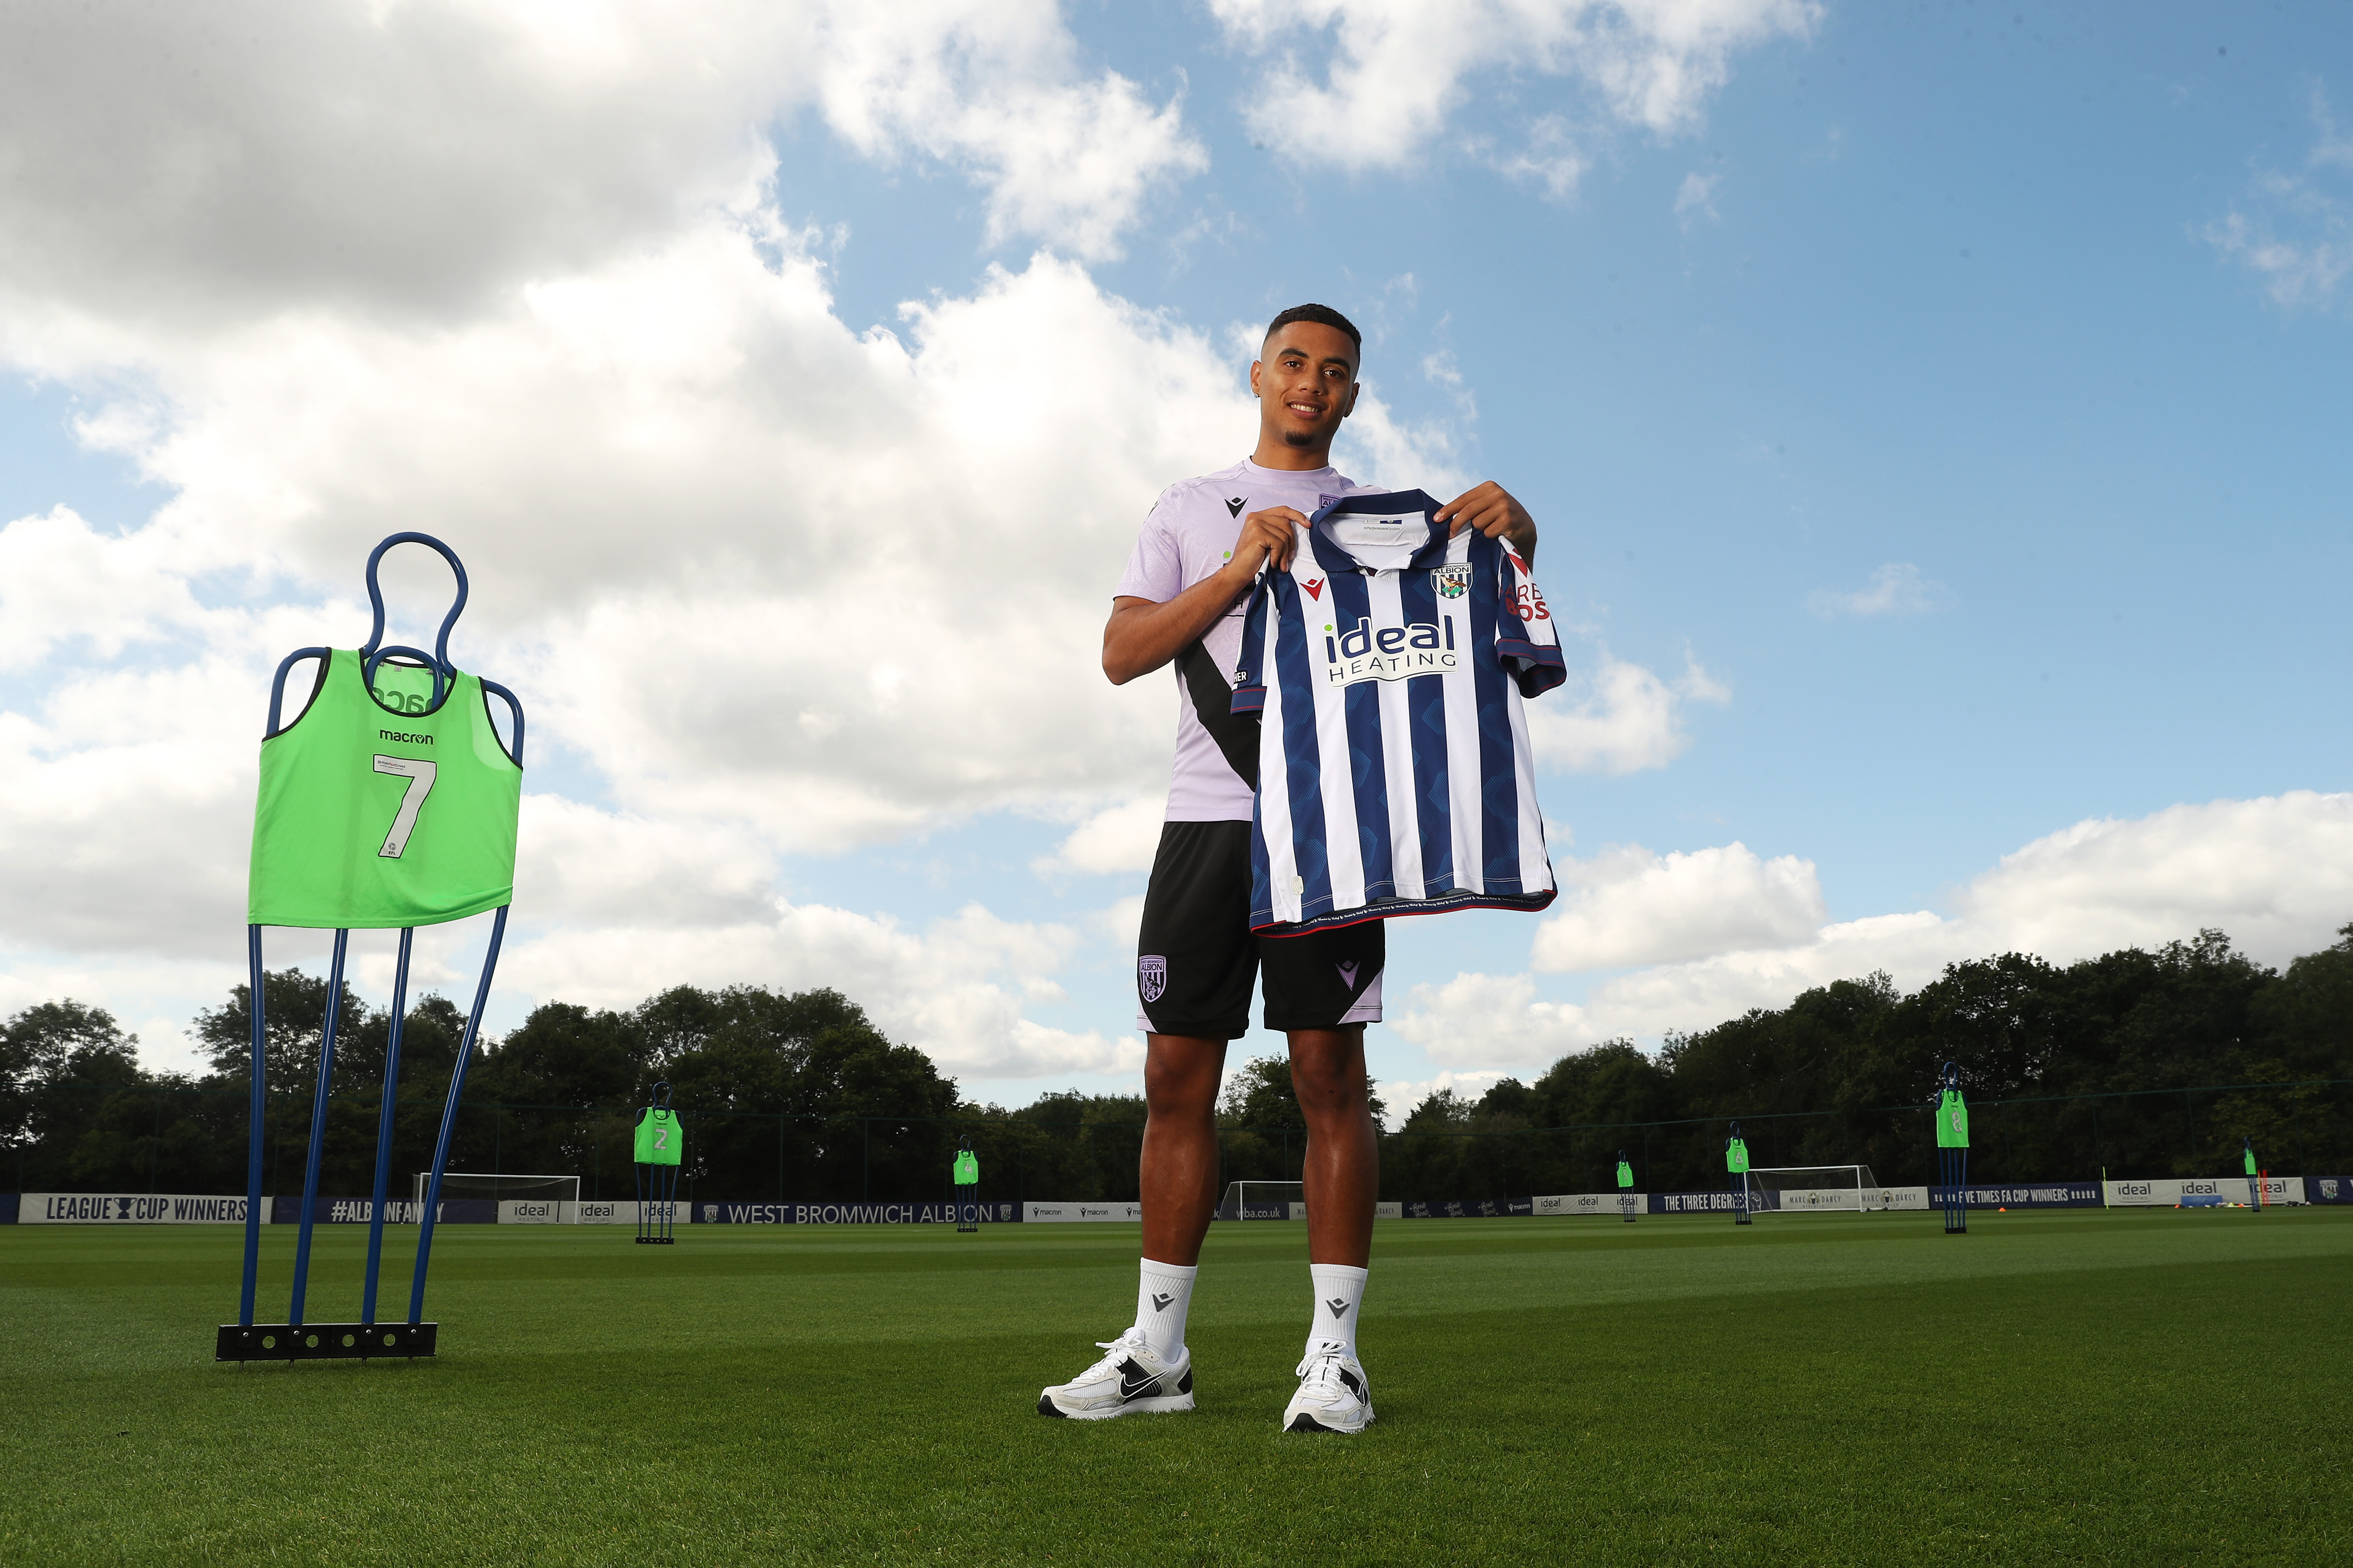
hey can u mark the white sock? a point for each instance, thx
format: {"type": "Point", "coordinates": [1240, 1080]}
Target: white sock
{"type": "Point", "coordinates": [1339, 1291]}
{"type": "Point", "coordinates": [1163, 1296]}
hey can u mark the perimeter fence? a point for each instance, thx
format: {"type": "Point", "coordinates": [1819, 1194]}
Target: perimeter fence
{"type": "Point", "coordinates": [151, 1139]}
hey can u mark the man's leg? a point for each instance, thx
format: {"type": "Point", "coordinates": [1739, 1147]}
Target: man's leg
{"type": "Point", "coordinates": [1320, 991]}
{"type": "Point", "coordinates": [1194, 969]}
{"type": "Point", "coordinates": [1344, 1160]}
{"type": "Point", "coordinates": [1178, 1172]}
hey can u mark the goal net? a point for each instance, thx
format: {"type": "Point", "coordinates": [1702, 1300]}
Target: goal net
{"type": "Point", "coordinates": [1806, 1189]}
{"type": "Point", "coordinates": [1262, 1200]}
{"type": "Point", "coordinates": [522, 1200]}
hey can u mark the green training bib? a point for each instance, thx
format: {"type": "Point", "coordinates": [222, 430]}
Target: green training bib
{"type": "Point", "coordinates": [2251, 1162]}
{"type": "Point", "coordinates": [1735, 1156]}
{"type": "Point", "coordinates": [1625, 1174]}
{"type": "Point", "coordinates": [1952, 1120]}
{"type": "Point", "coordinates": [375, 812]}
{"type": "Point", "coordinates": [968, 1169]}
{"type": "Point", "coordinates": [658, 1137]}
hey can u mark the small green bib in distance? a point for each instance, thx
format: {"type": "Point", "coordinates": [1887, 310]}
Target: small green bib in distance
{"type": "Point", "coordinates": [1735, 1156]}
{"type": "Point", "coordinates": [2251, 1162]}
{"type": "Point", "coordinates": [968, 1169]}
{"type": "Point", "coordinates": [658, 1137]}
{"type": "Point", "coordinates": [1625, 1174]}
{"type": "Point", "coordinates": [1952, 1120]}
{"type": "Point", "coordinates": [375, 812]}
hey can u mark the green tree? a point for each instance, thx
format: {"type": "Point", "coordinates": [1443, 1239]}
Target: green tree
{"type": "Point", "coordinates": [74, 1100]}
{"type": "Point", "coordinates": [293, 1017]}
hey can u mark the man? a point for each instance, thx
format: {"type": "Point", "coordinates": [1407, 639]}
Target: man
{"type": "Point", "coordinates": [1181, 602]}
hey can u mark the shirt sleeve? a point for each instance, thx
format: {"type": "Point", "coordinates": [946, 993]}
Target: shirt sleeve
{"type": "Point", "coordinates": [1155, 569]}
{"type": "Point", "coordinates": [1525, 638]}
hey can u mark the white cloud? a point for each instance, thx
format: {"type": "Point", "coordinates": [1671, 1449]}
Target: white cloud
{"type": "Point", "coordinates": [1628, 906]}
{"type": "Point", "coordinates": [1399, 70]}
{"type": "Point", "coordinates": [136, 991]}
{"type": "Point", "coordinates": [130, 798]}
{"type": "Point", "coordinates": [1896, 589]}
{"type": "Point", "coordinates": [996, 87]}
{"type": "Point", "coordinates": [2275, 873]}
{"type": "Point", "coordinates": [1620, 719]}
{"type": "Point", "coordinates": [731, 551]}
{"type": "Point", "coordinates": [243, 156]}
{"type": "Point", "coordinates": [956, 990]}
{"type": "Point", "coordinates": [1123, 838]}
{"type": "Point", "coordinates": [652, 468]}
{"type": "Point", "coordinates": [201, 163]}
{"type": "Point", "coordinates": [2303, 269]}
{"type": "Point", "coordinates": [1402, 1098]}
{"type": "Point", "coordinates": [686, 872]}
{"type": "Point", "coordinates": [2295, 230]}
{"type": "Point", "coordinates": [62, 582]}
{"type": "Point", "coordinates": [1696, 197]}
{"type": "Point", "coordinates": [1554, 156]}
{"type": "Point", "coordinates": [1490, 1022]}
{"type": "Point", "coordinates": [1123, 923]}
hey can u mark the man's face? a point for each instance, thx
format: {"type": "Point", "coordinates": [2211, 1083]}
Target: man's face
{"type": "Point", "coordinates": [1306, 385]}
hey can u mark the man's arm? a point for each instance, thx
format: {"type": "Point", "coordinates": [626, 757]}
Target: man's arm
{"type": "Point", "coordinates": [1142, 635]}
{"type": "Point", "coordinates": [1489, 508]}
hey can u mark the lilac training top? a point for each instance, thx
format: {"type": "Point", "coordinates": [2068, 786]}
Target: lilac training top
{"type": "Point", "coordinates": [1189, 536]}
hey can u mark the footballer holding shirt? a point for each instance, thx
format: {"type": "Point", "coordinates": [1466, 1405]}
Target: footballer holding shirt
{"type": "Point", "coordinates": [1181, 602]}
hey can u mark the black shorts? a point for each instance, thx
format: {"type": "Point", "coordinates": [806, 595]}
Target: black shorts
{"type": "Point", "coordinates": [1196, 954]}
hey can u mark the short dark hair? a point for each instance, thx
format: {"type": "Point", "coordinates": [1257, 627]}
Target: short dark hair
{"type": "Point", "coordinates": [1322, 316]}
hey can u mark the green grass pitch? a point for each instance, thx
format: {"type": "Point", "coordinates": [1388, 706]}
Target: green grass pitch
{"type": "Point", "coordinates": [2152, 1389]}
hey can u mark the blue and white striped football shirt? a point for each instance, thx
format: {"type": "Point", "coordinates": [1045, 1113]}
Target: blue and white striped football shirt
{"type": "Point", "coordinates": [1388, 667]}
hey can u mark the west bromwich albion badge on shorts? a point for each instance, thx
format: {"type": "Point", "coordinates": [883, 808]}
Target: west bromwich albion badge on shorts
{"type": "Point", "coordinates": [1451, 582]}
{"type": "Point", "coordinates": [1151, 976]}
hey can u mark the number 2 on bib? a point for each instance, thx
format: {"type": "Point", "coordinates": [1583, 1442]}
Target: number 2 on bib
{"type": "Point", "coordinates": [420, 773]}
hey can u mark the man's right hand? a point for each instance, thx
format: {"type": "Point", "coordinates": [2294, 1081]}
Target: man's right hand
{"type": "Point", "coordinates": [1267, 538]}
{"type": "Point", "coordinates": [1142, 635]}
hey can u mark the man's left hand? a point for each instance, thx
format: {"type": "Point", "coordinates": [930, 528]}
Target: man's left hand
{"type": "Point", "coordinates": [1489, 508]}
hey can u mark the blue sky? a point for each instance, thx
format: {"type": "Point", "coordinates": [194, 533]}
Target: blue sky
{"type": "Point", "coordinates": [1928, 410]}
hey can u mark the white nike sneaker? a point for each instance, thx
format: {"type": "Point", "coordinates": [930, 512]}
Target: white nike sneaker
{"type": "Point", "coordinates": [1333, 1394]}
{"type": "Point", "coordinates": [1129, 1381]}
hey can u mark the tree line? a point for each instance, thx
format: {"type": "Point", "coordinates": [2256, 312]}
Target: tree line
{"type": "Point", "coordinates": [2075, 1070]}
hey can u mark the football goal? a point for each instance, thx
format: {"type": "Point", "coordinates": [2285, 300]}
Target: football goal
{"type": "Point", "coordinates": [1807, 1189]}
{"type": "Point", "coordinates": [536, 1200]}
{"type": "Point", "coordinates": [1261, 1200]}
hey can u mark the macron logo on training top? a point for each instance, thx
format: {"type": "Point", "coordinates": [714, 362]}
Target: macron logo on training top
{"type": "Point", "coordinates": [1234, 505]}
{"type": "Point", "coordinates": [1388, 665]}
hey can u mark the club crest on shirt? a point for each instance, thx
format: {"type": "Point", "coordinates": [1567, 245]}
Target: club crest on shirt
{"type": "Point", "coordinates": [1451, 582]}
{"type": "Point", "coordinates": [1151, 976]}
